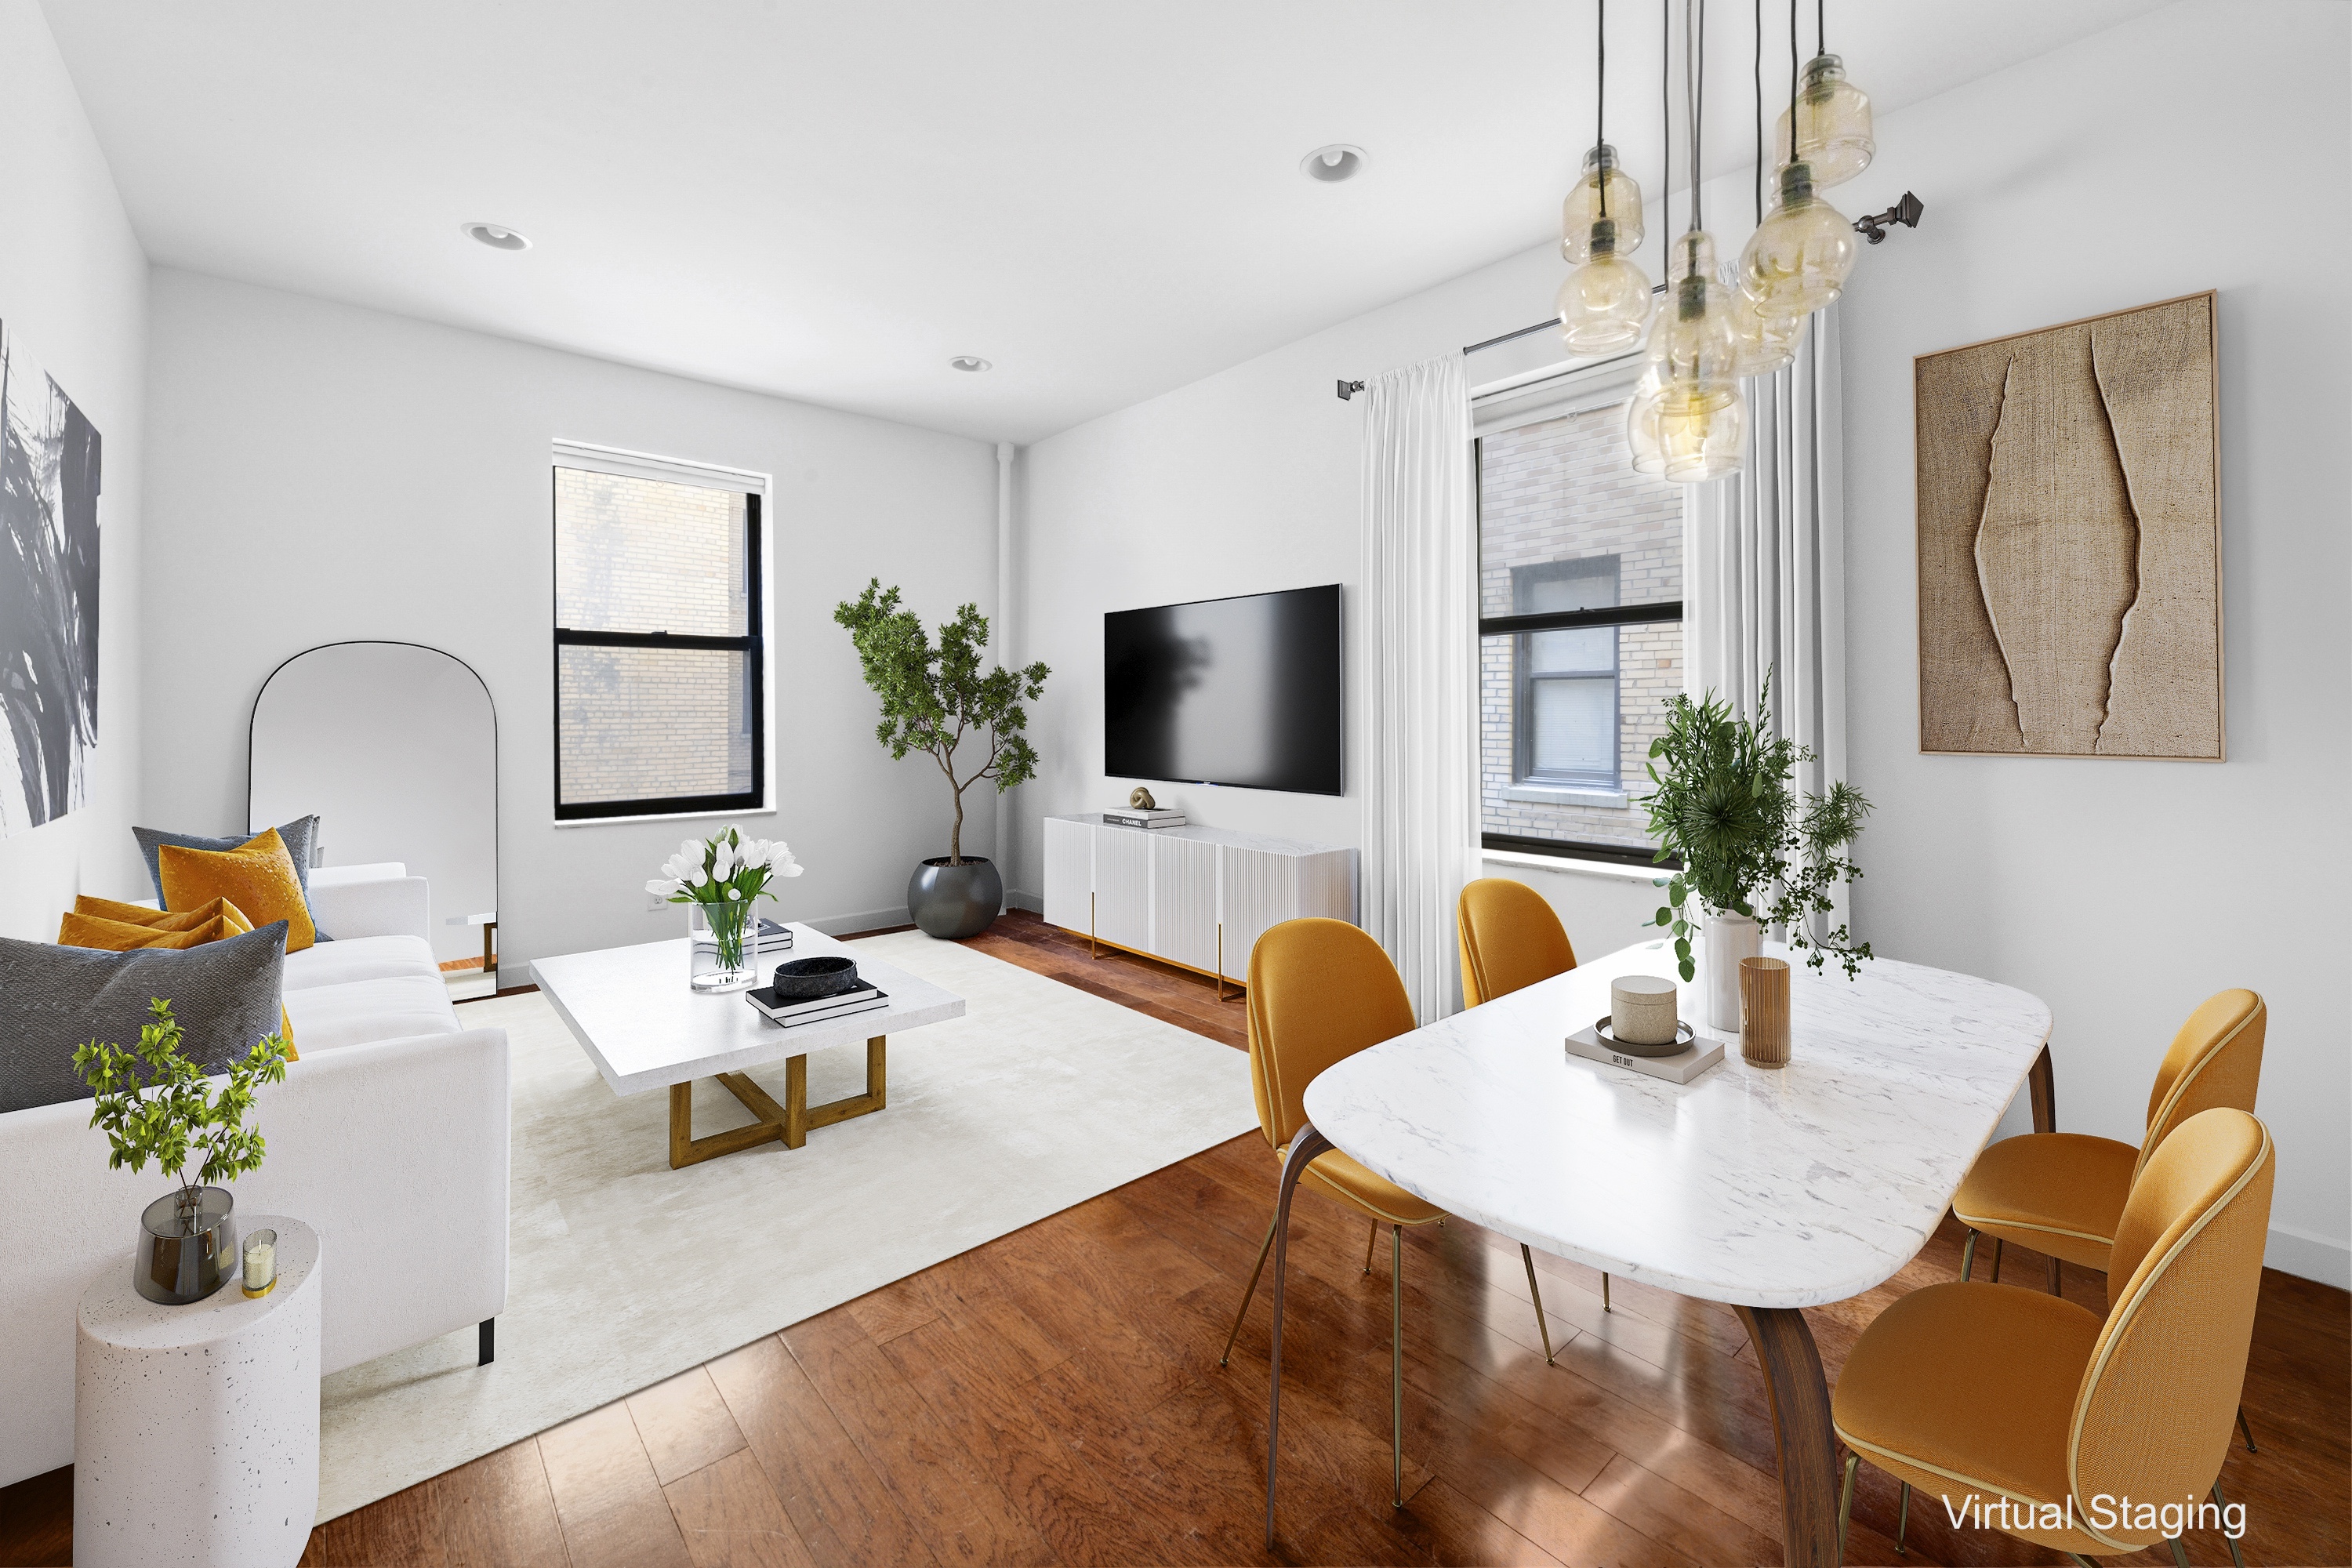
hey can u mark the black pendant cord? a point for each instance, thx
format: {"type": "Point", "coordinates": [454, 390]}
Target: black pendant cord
{"type": "Point", "coordinates": [1792, 80]}
{"type": "Point", "coordinates": [1666, 129]}
{"type": "Point", "coordinates": [1601, 102]}
{"type": "Point", "coordinates": [1694, 88]}
{"type": "Point", "coordinates": [1821, 14]}
{"type": "Point", "coordinates": [1756, 174]}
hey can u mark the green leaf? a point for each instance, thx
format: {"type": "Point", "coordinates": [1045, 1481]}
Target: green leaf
{"type": "Point", "coordinates": [1666, 916]}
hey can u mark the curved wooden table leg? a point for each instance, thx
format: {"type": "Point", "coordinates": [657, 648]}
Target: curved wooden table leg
{"type": "Point", "coordinates": [1304, 1145]}
{"type": "Point", "coordinates": [1800, 1432]}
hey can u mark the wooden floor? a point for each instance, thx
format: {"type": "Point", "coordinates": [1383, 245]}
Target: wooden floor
{"type": "Point", "coordinates": [1055, 1396]}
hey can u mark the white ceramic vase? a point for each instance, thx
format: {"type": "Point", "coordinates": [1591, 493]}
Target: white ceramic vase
{"type": "Point", "coordinates": [1725, 940]}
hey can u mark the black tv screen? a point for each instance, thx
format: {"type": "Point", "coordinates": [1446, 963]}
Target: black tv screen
{"type": "Point", "coordinates": [1242, 691]}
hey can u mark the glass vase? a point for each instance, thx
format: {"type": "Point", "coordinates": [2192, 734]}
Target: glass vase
{"type": "Point", "coordinates": [721, 952]}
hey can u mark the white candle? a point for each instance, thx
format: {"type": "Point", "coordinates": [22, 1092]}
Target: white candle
{"type": "Point", "coordinates": [260, 1264]}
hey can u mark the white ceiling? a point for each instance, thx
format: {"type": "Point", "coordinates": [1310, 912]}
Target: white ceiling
{"type": "Point", "coordinates": [827, 201]}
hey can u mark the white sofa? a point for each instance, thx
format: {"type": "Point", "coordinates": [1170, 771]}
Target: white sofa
{"type": "Point", "coordinates": [389, 1136]}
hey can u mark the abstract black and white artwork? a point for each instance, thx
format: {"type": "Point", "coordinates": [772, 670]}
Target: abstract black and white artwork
{"type": "Point", "coordinates": [48, 596]}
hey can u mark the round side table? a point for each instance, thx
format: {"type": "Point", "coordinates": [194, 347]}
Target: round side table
{"type": "Point", "coordinates": [196, 1427]}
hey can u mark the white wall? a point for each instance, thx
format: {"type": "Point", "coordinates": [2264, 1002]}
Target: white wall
{"type": "Point", "coordinates": [73, 292]}
{"type": "Point", "coordinates": [2124, 892]}
{"type": "Point", "coordinates": [324, 472]}
{"type": "Point", "coordinates": [2089, 180]}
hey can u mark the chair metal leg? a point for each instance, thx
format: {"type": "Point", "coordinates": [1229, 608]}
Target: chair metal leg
{"type": "Point", "coordinates": [1252, 1291]}
{"type": "Point", "coordinates": [1903, 1522]}
{"type": "Point", "coordinates": [1396, 1364]}
{"type": "Point", "coordinates": [2237, 1558]}
{"type": "Point", "coordinates": [2246, 1431]}
{"type": "Point", "coordinates": [1969, 1255]}
{"type": "Point", "coordinates": [1604, 1290]}
{"type": "Point", "coordinates": [1372, 1241]}
{"type": "Point", "coordinates": [1305, 1145]}
{"type": "Point", "coordinates": [2080, 1561]}
{"type": "Point", "coordinates": [1533, 1289]}
{"type": "Point", "coordinates": [2179, 1552]}
{"type": "Point", "coordinates": [1845, 1500]}
{"type": "Point", "coordinates": [1997, 1245]}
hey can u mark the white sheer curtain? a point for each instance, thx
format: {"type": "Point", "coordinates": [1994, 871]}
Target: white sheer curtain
{"type": "Point", "coordinates": [1421, 653]}
{"type": "Point", "coordinates": [1766, 569]}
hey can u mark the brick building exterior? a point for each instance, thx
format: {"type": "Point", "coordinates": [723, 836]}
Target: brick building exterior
{"type": "Point", "coordinates": [1561, 491]}
{"type": "Point", "coordinates": [640, 555]}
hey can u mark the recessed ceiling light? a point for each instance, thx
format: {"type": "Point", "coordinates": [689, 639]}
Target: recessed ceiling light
{"type": "Point", "coordinates": [497, 236]}
{"type": "Point", "coordinates": [1333, 164]}
{"type": "Point", "coordinates": [971, 363]}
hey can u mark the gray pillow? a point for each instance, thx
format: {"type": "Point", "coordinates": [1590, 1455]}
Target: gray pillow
{"type": "Point", "coordinates": [224, 994]}
{"type": "Point", "coordinates": [297, 834]}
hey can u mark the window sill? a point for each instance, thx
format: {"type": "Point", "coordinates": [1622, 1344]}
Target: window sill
{"type": "Point", "coordinates": [664, 816]}
{"type": "Point", "coordinates": [1582, 868]}
{"type": "Point", "coordinates": [1564, 795]}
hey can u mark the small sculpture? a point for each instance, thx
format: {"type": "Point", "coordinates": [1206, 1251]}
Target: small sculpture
{"type": "Point", "coordinates": [1140, 798]}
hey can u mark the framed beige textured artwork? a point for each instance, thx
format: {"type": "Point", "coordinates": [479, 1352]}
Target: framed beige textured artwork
{"type": "Point", "coordinates": [2069, 538]}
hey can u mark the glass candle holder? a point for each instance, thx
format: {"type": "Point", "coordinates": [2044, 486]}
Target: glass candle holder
{"type": "Point", "coordinates": [260, 1259]}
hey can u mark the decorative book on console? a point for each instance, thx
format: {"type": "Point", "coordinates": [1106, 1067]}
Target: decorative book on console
{"type": "Point", "coordinates": [773, 937]}
{"type": "Point", "coordinates": [1156, 817]}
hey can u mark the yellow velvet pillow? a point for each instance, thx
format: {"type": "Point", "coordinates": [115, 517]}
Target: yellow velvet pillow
{"type": "Point", "coordinates": [258, 876]}
{"type": "Point", "coordinates": [153, 920]}
{"type": "Point", "coordinates": [219, 918]}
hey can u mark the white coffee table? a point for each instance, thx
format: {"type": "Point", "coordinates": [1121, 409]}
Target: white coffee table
{"type": "Point", "coordinates": [632, 1011]}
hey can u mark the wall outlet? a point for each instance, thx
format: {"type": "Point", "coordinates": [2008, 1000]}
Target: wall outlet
{"type": "Point", "coordinates": [656, 903]}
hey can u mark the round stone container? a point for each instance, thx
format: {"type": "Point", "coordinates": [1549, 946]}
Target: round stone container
{"type": "Point", "coordinates": [1641, 1010]}
{"type": "Point", "coordinates": [196, 1427]}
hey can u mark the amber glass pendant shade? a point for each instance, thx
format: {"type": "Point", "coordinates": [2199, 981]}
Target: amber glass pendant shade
{"type": "Point", "coordinates": [1607, 192]}
{"type": "Point", "coordinates": [1604, 304]}
{"type": "Point", "coordinates": [1834, 127]}
{"type": "Point", "coordinates": [1693, 341]}
{"type": "Point", "coordinates": [1800, 256]}
{"type": "Point", "coordinates": [1700, 437]}
{"type": "Point", "coordinates": [1766, 343]}
{"type": "Point", "coordinates": [1641, 434]}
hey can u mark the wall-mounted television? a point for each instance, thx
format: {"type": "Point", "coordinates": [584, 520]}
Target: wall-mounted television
{"type": "Point", "coordinates": [1245, 691]}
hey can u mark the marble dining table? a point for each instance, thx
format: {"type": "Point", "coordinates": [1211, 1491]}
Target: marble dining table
{"type": "Point", "coordinates": [1771, 1190]}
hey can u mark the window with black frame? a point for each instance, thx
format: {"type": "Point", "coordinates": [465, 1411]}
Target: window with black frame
{"type": "Point", "coordinates": [1580, 581]}
{"type": "Point", "coordinates": [660, 663]}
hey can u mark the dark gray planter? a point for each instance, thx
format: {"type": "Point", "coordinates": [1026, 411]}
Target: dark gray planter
{"type": "Point", "coordinates": [954, 901]}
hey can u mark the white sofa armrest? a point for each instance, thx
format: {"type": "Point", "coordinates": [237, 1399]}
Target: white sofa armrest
{"type": "Point", "coordinates": [395, 1153]}
{"type": "Point", "coordinates": [383, 906]}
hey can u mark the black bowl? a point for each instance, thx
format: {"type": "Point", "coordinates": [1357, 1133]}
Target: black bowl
{"type": "Point", "coordinates": [815, 976]}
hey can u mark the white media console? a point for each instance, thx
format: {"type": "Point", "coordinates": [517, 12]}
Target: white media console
{"type": "Point", "coordinates": [1198, 897]}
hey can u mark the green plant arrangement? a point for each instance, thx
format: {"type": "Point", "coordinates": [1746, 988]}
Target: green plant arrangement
{"type": "Point", "coordinates": [727, 875]}
{"type": "Point", "coordinates": [935, 698]}
{"type": "Point", "coordinates": [1725, 802]}
{"type": "Point", "coordinates": [172, 1117]}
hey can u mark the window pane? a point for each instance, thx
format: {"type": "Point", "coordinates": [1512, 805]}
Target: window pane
{"type": "Point", "coordinates": [651, 723]}
{"type": "Point", "coordinates": [639, 555]}
{"type": "Point", "coordinates": [1574, 722]}
{"type": "Point", "coordinates": [1565, 523]}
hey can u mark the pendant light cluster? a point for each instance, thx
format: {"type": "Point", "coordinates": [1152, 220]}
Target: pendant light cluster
{"type": "Point", "coordinates": [1688, 420]}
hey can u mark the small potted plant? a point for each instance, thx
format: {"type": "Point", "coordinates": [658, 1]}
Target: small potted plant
{"type": "Point", "coordinates": [723, 876]}
{"type": "Point", "coordinates": [933, 699]}
{"type": "Point", "coordinates": [187, 1239]}
{"type": "Point", "coordinates": [1754, 852]}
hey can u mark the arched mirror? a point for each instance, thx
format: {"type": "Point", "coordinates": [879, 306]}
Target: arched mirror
{"type": "Point", "coordinates": [394, 747]}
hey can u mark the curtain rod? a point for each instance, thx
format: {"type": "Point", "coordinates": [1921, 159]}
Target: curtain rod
{"type": "Point", "coordinates": [1873, 226]}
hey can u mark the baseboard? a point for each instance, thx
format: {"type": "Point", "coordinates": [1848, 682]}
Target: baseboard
{"type": "Point", "coordinates": [1017, 900]}
{"type": "Point", "coordinates": [2293, 1250]}
{"type": "Point", "coordinates": [872, 920]}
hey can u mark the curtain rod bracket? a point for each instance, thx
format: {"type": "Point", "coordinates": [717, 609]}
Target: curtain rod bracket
{"type": "Point", "coordinates": [1905, 212]}
{"type": "Point", "coordinates": [1348, 389]}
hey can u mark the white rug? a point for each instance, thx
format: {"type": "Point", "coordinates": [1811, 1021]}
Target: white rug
{"type": "Point", "coordinates": [624, 1272]}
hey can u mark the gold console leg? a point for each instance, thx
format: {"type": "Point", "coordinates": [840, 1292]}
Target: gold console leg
{"type": "Point", "coordinates": [790, 1123]}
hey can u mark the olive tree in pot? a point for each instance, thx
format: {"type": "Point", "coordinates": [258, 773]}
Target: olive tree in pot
{"type": "Point", "coordinates": [1754, 852]}
{"type": "Point", "coordinates": [934, 699]}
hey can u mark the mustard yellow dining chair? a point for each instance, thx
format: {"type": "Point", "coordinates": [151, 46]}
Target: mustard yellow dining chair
{"type": "Point", "coordinates": [1320, 991]}
{"type": "Point", "coordinates": [2061, 1194]}
{"type": "Point", "coordinates": [1509, 940]}
{"type": "Point", "coordinates": [2030, 1414]}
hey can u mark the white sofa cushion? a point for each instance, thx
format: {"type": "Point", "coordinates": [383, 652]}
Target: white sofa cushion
{"type": "Point", "coordinates": [357, 1012]}
{"type": "Point", "coordinates": [360, 958]}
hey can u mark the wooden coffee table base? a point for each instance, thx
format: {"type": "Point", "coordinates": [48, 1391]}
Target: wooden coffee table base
{"type": "Point", "coordinates": [789, 1121]}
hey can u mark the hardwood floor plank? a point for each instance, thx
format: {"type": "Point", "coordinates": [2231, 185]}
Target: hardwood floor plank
{"type": "Point", "coordinates": [497, 1510]}
{"type": "Point", "coordinates": [37, 1520]}
{"type": "Point", "coordinates": [730, 1517]}
{"type": "Point", "coordinates": [894, 1310]}
{"type": "Point", "coordinates": [843, 1513]}
{"type": "Point", "coordinates": [606, 1499]}
{"type": "Point", "coordinates": [962, 1515]}
{"type": "Point", "coordinates": [684, 1424]}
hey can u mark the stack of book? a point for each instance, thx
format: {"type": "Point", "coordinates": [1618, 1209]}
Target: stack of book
{"type": "Point", "coordinates": [1156, 817]}
{"type": "Point", "coordinates": [791, 1010]}
{"type": "Point", "coordinates": [773, 937]}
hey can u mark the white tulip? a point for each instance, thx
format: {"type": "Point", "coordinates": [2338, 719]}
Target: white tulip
{"type": "Point", "coordinates": [722, 862]}
{"type": "Point", "coordinates": [736, 893]}
{"type": "Point", "coordinates": [780, 861]}
{"type": "Point", "coordinates": [663, 887]}
{"type": "Point", "coordinates": [691, 850]}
